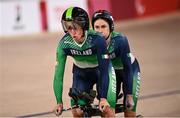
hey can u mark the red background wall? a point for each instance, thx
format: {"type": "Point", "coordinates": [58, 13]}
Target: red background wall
{"type": "Point", "coordinates": [155, 7]}
{"type": "Point", "coordinates": [43, 12]}
{"type": "Point", "coordinates": [123, 9]}
{"type": "Point", "coordinates": [128, 9]}
{"type": "Point", "coordinates": [94, 5]}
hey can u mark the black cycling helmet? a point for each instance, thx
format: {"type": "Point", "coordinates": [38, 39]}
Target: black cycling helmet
{"type": "Point", "coordinates": [103, 14]}
{"type": "Point", "coordinates": [77, 15]}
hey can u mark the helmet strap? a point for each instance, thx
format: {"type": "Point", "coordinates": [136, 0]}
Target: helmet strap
{"type": "Point", "coordinates": [108, 37]}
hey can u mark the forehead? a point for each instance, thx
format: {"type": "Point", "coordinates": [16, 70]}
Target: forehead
{"type": "Point", "coordinates": [70, 23]}
{"type": "Point", "coordinates": [100, 22]}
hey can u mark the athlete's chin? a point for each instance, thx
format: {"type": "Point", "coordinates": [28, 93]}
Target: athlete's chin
{"type": "Point", "coordinates": [77, 39]}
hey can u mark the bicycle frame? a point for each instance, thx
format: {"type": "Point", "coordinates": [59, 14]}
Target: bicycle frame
{"type": "Point", "coordinates": [90, 109]}
{"type": "Point", "coordinates": [93, 109]}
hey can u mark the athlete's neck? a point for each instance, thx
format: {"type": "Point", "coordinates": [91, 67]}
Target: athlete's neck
{"type": "Point", "coordinates": [82, 39]}
{"type": "Point", "coordinates": [108, 39]}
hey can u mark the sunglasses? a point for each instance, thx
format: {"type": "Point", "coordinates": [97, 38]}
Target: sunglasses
{"type": "Point", "coordinates": [71, 25]}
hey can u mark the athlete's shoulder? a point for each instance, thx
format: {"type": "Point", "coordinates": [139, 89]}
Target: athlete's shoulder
{"type": "Point", "coordinates": [117, 35]}
{"type": "Point", "coordinates": [94, 33]}
{"type": "Point", "coordinates": [119, 40]}
{"type": "Point", "coordinates": [66, 38]}
{"type": "Point", "coordinates": [95, 36]}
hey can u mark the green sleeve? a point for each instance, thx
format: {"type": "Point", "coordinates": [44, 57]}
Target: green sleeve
{"type": "Point", "coordinates": [59, 73]}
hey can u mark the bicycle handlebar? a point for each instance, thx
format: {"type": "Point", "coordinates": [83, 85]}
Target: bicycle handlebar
{"type": "Point", "coordinates": [90, 109]}
{"type": "Point", "coordinates": [93, 109]}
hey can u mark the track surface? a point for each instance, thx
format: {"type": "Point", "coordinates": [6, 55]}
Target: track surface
{"type": "Point", "coordinates": [27, 68]}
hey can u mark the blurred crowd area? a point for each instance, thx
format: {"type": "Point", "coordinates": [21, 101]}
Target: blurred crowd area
{"type": "Point", "coordinates": [18, 17]}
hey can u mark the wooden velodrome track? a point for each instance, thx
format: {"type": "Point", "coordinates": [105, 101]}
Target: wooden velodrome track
{"type": "Point", "coordinates": [27, 68]}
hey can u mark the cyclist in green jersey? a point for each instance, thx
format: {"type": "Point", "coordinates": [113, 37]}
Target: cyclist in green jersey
{"type": "Point", "coordinates": [125, 64]}
{"type": "Point", "coordinates": [91, 63]}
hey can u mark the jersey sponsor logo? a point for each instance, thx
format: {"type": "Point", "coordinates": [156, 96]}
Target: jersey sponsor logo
{"type": "Point", "coordinates": [138, 85]}
{"type": "Point", "coordinates": [84, 52]}
{"type": "Point", "coordinates": [113, 80]}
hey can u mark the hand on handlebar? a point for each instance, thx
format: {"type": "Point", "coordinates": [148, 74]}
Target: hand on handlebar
{"type": "Point", "coordinates": [129, 102]}
{"type": "Point", "coordinates": [103, 104]}
{"type": "Point", "coordinates": [58, 109]}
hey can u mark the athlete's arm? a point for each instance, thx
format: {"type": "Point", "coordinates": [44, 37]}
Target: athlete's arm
{"type": "Point", "coordinates": [59, 73]}
{"type": "Point", "coordinates": [103, 62]}
{"type": "Point", "coordinates": [126, 60]}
